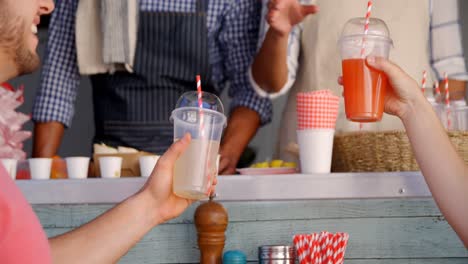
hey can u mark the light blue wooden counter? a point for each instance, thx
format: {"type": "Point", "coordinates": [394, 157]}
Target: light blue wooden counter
{"type": "Point", "coordinates": [391, 217]}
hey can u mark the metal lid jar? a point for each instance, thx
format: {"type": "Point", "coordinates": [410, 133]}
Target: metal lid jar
{"type": "Point", "coordinates": [276, 254]}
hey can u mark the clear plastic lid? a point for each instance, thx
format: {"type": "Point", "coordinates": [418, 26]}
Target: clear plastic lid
{"type": "Point", "coordinates": [378, 30]}
{"type": "Point", "coordinates": [209, 101]}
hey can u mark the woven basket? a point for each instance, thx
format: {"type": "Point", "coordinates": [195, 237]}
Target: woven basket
{"type": "Point", "coordinates": [382, 151]}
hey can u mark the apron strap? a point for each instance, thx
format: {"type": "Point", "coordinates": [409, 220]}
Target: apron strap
{"type": "Point", "coordinates": [202, 6]}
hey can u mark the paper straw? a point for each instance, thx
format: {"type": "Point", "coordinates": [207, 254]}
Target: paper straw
{"type": "Point", "coordinates": [202, 128]}
{"type": "Point", "coordinates": [200, 104]}
{"type": "Point", "coordinates": [366, 27]}
{"type": "Point", "coordinates": [437, 89]}
{"type": "Point", "coordinates": [366, 31]}
{"type": "Point", "coordinates": [342, 243]}
{"type": "Point", "coordinates": [447, 100]}
{"type": "Point", "coordinates": [423, 82]}
{"type": "Point", "coordinates": [199, 92]}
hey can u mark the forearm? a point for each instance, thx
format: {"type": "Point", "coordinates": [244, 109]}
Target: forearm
{"type": "Point", "coordinates": [107, 238]}
{"type": "Point", "coordinates": [47, 138]}
{"type": "Point", "coordinates": [242, 126]}
{"type": "Point", "coordinates": [269, 69]}
{"type": "Point", "coordinates": [448, 178]}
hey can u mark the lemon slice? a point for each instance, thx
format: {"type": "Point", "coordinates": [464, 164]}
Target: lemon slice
{"type": "Point", "coordinates": [276, 163]}
{"type": "Point", "coordinates": [290, 165]}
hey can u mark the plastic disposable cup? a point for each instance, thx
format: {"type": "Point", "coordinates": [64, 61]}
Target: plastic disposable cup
{"type": "Point", "coordinates": [40, 168]}
{"type": "Point", "coordinates": [110, 167]}
{"type": "Point", "coordinates": [77, 167]}
{"type": "Point", "coordinates": [315, 150]}
{"type": "Point", "coordinates": [10, 166]}
{"type": "Point", "coordinates": [196, 168]}
{"type": "Point", "coordinates": [452, 118]}
{"type": "Point", "coordinates": [460, 115]}
{"type": "Point", "coordinates": [147, 164]}
{"type": "Point", "coordinates": [364, 87]}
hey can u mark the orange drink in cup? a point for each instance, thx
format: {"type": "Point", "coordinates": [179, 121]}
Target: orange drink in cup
{"type": "Point", "coordinates": [365, 91]}
{"type": "Point", "coordinates": [364, 87]}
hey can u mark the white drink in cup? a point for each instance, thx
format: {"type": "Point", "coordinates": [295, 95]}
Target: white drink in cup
{"type": "Point", "coordinates": [197, 166]}
{"type": "Point", "coordinates": [40, 168]}
{"type": "Point", "coordinates": [315, 150]}
{"type": "Point", "coordinates": [77, 167]}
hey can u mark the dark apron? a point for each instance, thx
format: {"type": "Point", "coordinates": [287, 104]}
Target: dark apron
{"type": "Point", "coordinates": [133, 109]}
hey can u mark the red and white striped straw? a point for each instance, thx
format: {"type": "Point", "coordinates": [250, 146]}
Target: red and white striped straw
{"type": "Point", "coordinates": [447, 100]}
{"type": "Point", "coordinates": [423, 82]}
{"type": "Point", "coordinates": [200, 105]}
{"type": "Point", "coordinates": [447, 93]}
{"type": "Point", "coordinates": [437, 89]}
{"type": "Point", "coordinates": [199, 91]}
{"type": "Point", "coordinates": [366, 27]}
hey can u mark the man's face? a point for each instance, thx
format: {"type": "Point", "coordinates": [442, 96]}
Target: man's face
{"type": "Point", "coordinates": [18, 31]}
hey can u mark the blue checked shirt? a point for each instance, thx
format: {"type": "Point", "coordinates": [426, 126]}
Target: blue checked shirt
{"type": "Point", "coordinates": [232, 39]}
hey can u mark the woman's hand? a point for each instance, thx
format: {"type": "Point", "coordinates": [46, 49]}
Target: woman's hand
{"type": "Point", "coordinates": [166, 204]}
{"type": "Point", "coordinates": [403, 90]}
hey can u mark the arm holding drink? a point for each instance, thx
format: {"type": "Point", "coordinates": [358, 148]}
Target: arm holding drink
{"type": "Point", "coordinates": [117, 230]}
{"type": "Point", "coordinates": [447, 178]}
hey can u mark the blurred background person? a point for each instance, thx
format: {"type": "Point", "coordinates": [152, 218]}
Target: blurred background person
{"type": "Point", "coordinates": [304, 49]}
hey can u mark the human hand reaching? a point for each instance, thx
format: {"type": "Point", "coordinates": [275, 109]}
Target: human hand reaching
{"type": "Point", "coordinates": [284, 14]}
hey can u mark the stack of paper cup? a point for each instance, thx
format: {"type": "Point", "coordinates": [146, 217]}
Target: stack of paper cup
{"type": "Point", "coordinates": [10, 166]}
{"type": "Point", "coordinates": [316, 119]}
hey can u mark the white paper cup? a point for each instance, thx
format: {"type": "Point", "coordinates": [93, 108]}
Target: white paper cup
{"type": "Point", "coordinates": [77, 167]}
{"type": "Point", "coordinates": [10, 166]}
{"type": "Point", "coordinates": [110, 167]}
{"type": "Point", "coordinates": [147, 164]}
{"type": "Point", "coordinates": [315, 150]}
{"type": "Point", "coordinates": [40, 168]}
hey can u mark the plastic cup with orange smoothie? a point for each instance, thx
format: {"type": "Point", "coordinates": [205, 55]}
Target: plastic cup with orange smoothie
{"type": "Point", "coordinates": [364, 87]}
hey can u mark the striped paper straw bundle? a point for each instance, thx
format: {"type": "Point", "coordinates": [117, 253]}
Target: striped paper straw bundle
{"type": "Point", "coordinates": [317, 110]}
{"type": "Point", "coordinates": [321, 248]}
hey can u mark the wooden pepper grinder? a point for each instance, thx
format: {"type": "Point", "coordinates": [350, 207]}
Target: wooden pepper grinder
{"type": "Point", "coordinates": [211, 220]}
